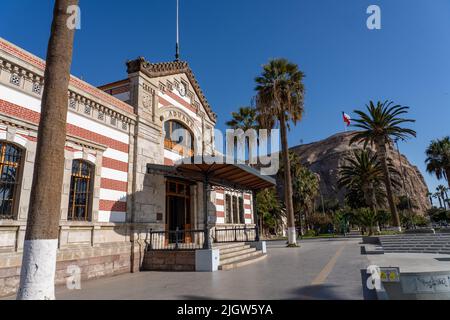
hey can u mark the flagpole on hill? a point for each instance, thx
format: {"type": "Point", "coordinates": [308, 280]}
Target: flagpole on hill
{"type": "Point", "coordinates": [177, 53]}
{"type": "Point", "coordinates": [347, 120]}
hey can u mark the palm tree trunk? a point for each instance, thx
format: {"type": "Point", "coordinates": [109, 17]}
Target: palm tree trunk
{"type": "Point", "coordinates": [370, 199]}
{"type": "Point", "coordinates": [292, 239]}
{"type": "Point", "coordinates": [443, 201]}
{"type": "Point", "coordinates": [447, 175]}
{"type": "Point", "coordinates": [388, 184]}
{"type": "Point", "coordinates": [37, 281]}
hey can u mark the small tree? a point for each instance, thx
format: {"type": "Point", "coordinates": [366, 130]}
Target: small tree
{"type": "Point", "coordinates": [438, 159]}
{"type": "Point", "coordinates": [367, 218]}
{"type": "Point", "coordinates": [270, 209]}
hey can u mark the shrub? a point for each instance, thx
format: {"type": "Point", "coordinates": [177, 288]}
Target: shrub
{"type": "Point", "coordinates": [310, 233]}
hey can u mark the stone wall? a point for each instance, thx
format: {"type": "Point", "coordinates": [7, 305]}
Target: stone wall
{"type": "Point", "coordinates": [169, 261]}
{"type": "Point", "coordinates": [94, 262]}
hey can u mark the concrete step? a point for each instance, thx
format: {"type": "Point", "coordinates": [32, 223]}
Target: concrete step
{"type": "Point", "coordinates": [234, 249]}
{"type": "Point", "coordinates": [371, 249]}
{"type": "Point", "coordinates": [239, 257]}
{"type": "Point", "coordinates": [236, 253]}
{"type": "Point", "coordinates": [228, 245]}
{"type": "Point", "coordinates": [244, 262]}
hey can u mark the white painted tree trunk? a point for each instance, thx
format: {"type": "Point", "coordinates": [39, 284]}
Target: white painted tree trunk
{"type": "Point", "coordinates": [37, 277]}
{"type": "Point", "coordinates": [292, 239]}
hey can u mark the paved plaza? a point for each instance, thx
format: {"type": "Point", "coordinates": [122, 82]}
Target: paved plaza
{"type": "Point", "coordinates": [319, 269]}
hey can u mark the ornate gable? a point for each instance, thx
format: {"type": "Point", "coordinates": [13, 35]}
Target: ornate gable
{"type": "Point", "coordinates": [155, 70]}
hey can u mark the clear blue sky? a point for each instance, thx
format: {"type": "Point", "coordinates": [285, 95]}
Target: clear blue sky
{"type": "Point", "coordinates": [227, 41]}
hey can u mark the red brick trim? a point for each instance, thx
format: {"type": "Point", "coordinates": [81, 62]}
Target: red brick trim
{"type": "Point", "coordinates": [114, 185]}
{"type": "Point", "coordinates": [29, 138]}
{"type": "Point", "coordinates": [181, 101]}
{"type": "Point", "coordinates": [114, 164]}
{"type": "Point", "coordinates": [34, 117]}
{"type": "Point", "coordinates": [166, 103]}
{"type": "Point", "coordinates": [92, 136]}
{"type": "Point", "coordinates": [19, 112]}
{"type": "Point", "coordinates": [116, 206]}
{"type": "Point", "coordinates": [40, 64]}
{"type": "Point", "coordinates": [220, 202]}
{"type": "Point", "coordinates": [220, 214]}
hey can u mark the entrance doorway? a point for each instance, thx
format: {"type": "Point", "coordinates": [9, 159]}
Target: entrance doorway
{"type": "Point", "coordinates": [178, 210]}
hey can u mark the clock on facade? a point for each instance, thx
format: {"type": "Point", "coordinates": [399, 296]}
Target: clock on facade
{"type": "Point", "coordinates": [182, 89]}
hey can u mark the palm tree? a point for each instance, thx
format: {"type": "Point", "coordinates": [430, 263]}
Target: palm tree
{"type": "Point", "coordinates": [367, 218]}
{"type": "Point", "coordinates": [280, 100]}
{"type": "Point", "coordinates": [364, 172]}
{"type": "Point", "coordinates": [37, 279]}
{"type": "Point", "coordinates": [442, 190]}
{"type": "Point", "coordinates": [438, 158]}
{"type": "Point", "coordinates": [245, 119]}
{"type": "Point", "coordinates": [305, 187]}
{"type": "Point", "coordinates": [269, 209]}
{"type": "Point", "coordinates": [437, 195]}
{"type": "Point", "coordinates": [379, 125]}
{"type": "Point", "coordinates": [430, 197]}
{"type": "Point", "coordinates": [305, 191]}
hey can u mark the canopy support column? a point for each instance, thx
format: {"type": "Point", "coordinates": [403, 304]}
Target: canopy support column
{"type": "Point", "coordinates": [255, 215]}
{"type": "Point", "coordinates": [207, 242]}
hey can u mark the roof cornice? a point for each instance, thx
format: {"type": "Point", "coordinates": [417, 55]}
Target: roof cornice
{"type": "Point", "coordinates": [155, 70]}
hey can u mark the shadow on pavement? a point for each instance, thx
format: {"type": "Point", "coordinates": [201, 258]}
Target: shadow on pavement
{"type": "Point", "coordinates": [316, 292]}
{"type": "Point", "coordinates": [192, 297]}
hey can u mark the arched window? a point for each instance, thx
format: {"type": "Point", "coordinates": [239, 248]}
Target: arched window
{"type": "Point", "coordinates": [178, 138]}
{"type": "Point", "coordinates": [10, 167]}
{"type": "Point", "coordinates": [81, 185]}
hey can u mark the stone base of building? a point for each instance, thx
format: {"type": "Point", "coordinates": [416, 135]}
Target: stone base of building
{"type": "Point", "coordinates": [169, 261]}
{"type": "Point", "coordinates": [93, 262]}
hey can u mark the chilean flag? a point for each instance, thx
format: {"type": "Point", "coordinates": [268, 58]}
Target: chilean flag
{"type": "Point", "coordinates": [347, 119]}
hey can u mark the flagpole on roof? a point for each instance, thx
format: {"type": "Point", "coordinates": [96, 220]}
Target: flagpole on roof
{"type": "Point", "coordinates": [177, 53]}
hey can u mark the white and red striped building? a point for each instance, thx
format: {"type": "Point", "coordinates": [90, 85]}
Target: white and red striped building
{"type": "Point", "coordinates": [113, 133]}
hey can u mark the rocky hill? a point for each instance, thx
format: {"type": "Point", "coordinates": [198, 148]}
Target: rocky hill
{"type": "Point", "coordinates": [326, 156]}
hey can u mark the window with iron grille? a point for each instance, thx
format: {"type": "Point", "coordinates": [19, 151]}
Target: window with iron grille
{"type": "Point", "coordinates": [113, 121]}
{"type": "Point", "coordinates": [101, 116]}
{"type": "Point", "coordinates": [229, 215]}
{"type": "Point", "coordinates": [124, 126]}
{"type": "Point", "coordinates": [37, 88]}
{"type": "Point", "coordinates": [15, 79]}
{"type": "Point", "coordinates": [87, 109]}
{"type": "Point", "coordinates": [235, 210]}
{"type": "Point", "coordinates": [10, 166]}
{"type": "Point", "coordinates": [81, 186]}
{"type": "Point", "coordinates": [241, 210]}
{"type": "Point", "coordinates": [178, 138]}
